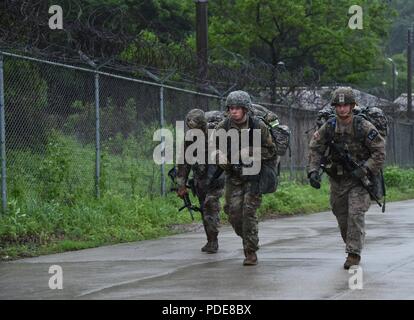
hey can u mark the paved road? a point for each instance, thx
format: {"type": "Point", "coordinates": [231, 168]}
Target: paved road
{"type": "Point", "coordinates": [301, 257]}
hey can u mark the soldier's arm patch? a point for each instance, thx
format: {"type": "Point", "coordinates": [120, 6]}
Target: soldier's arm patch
{"type": "Point", "coordinates": [372, 134]}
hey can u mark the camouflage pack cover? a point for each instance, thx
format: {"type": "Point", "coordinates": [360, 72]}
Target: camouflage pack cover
{"type": "Point", "coordinates": [281, 137]}
{"type": "Point", "coordinates": [280, 133]}
{"type": "Point", "coordinates": [377, 117]}
{"type": "Point", "coordinates": [214, 118]}
{"type": "Point", "coordinates": [324, 115]}
{"type": "Point", "coordinates": [195, 118]}
{"type": "Point", "coordinates": [262, 112]}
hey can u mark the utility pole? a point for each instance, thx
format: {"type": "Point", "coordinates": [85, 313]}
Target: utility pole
{"type": "Point", "coordinates": [409, 76]}
{"type": "Point", "coordinates": [202, 43]}
{"type": "Point", "coordinates": [394, 76]}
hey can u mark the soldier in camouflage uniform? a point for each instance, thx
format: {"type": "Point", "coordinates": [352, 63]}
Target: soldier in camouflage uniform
{"type": "Point", "coordinates": [349, 199]}
{"type": "Point", "coordinates": [242, 194]}
{"type": "Point", "coordinates": [207, 191]}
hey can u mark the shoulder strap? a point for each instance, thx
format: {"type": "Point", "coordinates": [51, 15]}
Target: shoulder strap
{"type": "Point", "coordinates": [357, 127]}
{"type": "Point", "coordinates": [254, 122]}
{"type": "Point", "coordinates": [227, 124]}
{"type": "Point", "coordinates": [330, 129]}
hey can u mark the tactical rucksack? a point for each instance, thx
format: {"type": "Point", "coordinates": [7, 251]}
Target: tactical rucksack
{"type": "Point", "coordinates": [280, 133]}
{"type": "Point", "coordinates": [377, 117]}
{"type": "Point", "coordinates": [270, 170]}
{"type": "Point", "coordinates": [214, 118]}
{"type": "Point", "coordinates": [372, 114]}
{"type": "Point", "coordinates": [268, 178]}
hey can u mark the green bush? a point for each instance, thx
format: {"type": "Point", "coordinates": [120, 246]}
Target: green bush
{"type": "Point", "coordinates": [52, 206]}
{"type": "Point", "coordinates": [293, 197]}
{"type": "Point", "coordinates": [395, 177]}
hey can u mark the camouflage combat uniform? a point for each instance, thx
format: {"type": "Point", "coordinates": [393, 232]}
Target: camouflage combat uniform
{"type": "Point", "coordinates": [348, 198]}
{"type": "Point", "coordinates": [207, 191]}
{"type": "Point", "coordinates": [242, 196]}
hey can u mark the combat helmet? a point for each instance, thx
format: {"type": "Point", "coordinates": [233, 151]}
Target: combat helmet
{"type": "Point", "coordinates": [195, 118]}
{"type": "Point", "coordinates": [343, 95]}
{"type": "Point", "coordinates": [239, 98]}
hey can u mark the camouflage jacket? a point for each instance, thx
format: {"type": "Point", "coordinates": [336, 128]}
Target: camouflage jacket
{"type": "Point", "coordinates": [183, 170]}
{"type": "Point", "coordinates": [267, 147]}
{"type": "Point", "coordinates": [362, 140]}
{"type": "Point", "coordinates": [202, 172]}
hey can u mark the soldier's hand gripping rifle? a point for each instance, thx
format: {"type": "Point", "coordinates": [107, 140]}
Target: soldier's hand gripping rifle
{"type": "Point", "coordinates": [187, 202]}
{"type": "Point", "coordinates": [350, 165]}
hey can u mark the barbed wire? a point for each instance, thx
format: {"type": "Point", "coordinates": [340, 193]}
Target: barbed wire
{"type": "Point", "coordinates": [101, 32]}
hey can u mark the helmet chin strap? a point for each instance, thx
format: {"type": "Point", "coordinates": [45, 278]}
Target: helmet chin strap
{"type": "Point", "coordinates": [345, 117]}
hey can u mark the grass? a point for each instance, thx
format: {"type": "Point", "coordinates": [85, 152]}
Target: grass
{"type": "Point", "coordinates": [52, 207]}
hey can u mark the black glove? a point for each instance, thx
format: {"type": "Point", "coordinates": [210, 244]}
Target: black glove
{"type": "Point", "coordinates": [315, 180]}
{"type": "Point", "coordinates": [359, 173]}
{"type": "Point", "coordinates": [237, 169]}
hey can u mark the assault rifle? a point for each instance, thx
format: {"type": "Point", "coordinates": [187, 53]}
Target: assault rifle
{"type": "Point", "coordinates": [187, 202]}
{"type": "Point", "coordinates": [350, 165]}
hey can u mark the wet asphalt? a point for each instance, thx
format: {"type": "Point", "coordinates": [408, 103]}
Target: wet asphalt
{"type": "Point", "coordinates": [301, 257]}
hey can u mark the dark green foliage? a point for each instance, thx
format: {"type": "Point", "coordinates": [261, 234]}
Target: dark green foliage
{"type": "Point", "coordinates": [25, 102]}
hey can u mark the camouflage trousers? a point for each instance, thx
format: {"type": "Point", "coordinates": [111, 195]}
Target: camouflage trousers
{"type": "Point", "coordinates": [241, 203]}
{"type": "Point", "coordinates": [349, 202]}
{"type": "Point", "coordinates": [209, 200]}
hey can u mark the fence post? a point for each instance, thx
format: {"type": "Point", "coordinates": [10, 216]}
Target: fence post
{"type": "Point", "coordinates": [97, 138]}
{"type": "Point", "coordinates": [394, 147]}
{"type": "Point", "coordinates": [162, 141]}
{"type": "Point", "coordinates": [3, 141]}
{"type": "Point", "coordinates": [291, 155]}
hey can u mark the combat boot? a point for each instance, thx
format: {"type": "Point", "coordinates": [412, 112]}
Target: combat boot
{"type": "Point", "coordinates": [213, 248]}
{"type": "Point", "coordinates": [210, 247]}
{"type": "Point", "coordinates": [205, 247]}
{"type": "Point", "coordinates": [352, 260]}
{"type": "Point", "coordinates": [251, 258]}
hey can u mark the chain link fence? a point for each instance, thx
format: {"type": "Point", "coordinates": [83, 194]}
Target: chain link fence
{"type": "Point", "coordinates": [71, 132]}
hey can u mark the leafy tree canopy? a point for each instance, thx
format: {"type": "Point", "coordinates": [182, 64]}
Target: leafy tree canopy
{"type": "Point", "coordinates": [303, 33]}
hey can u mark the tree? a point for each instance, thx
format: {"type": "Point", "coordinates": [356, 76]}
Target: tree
{"type": "Point", "coordinates": [302, 34]}
{"type": "Point", "coordinates": [100, 28]}
{"type": "Point", "coordinates": [398, 33]}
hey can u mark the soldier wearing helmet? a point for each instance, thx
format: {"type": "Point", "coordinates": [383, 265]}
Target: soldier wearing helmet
{"type": "Point", "coordinates": [343, 100]}
{"type": "Point", "coordinates": [343, 95]}
{"type": "Point", "coordinates": [207, 191]}
{"type": "Point", "coordinates": [362, 142]}
{"type": "Point", "coordinates": [242, 192]}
